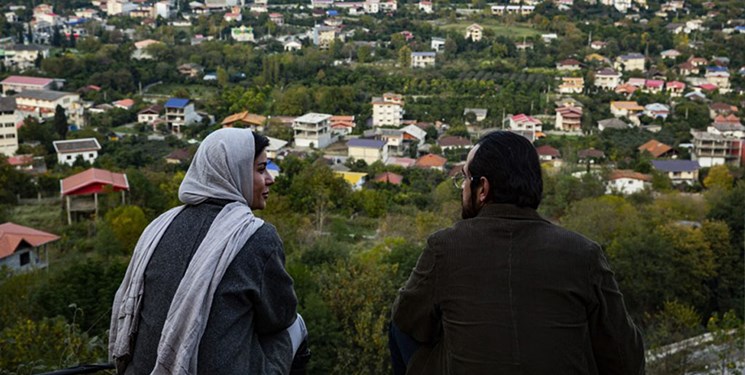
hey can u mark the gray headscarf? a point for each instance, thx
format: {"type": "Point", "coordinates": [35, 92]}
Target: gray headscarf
{"type": "Point", "coordinates": [222, 168]}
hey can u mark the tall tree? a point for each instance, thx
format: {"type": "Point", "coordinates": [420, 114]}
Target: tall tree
{"type": "Point", "coordinates": [60, 121]}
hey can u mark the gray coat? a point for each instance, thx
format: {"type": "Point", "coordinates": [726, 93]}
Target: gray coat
{"type": "Point", "coordinates": [253, 305]}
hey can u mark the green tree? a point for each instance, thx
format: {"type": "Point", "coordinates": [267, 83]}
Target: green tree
{"type": "Point", "coordinates": [404, 57]}
{"type": "Point", "coordinates": [127, 224]}
{"type": "Point", "coordinates": [60, 121]}
{"type": "Point", "coordinates": [719, 177]}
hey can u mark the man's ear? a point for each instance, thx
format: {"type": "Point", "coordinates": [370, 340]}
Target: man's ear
{"type": "Point", "coordinates": [483, 192]}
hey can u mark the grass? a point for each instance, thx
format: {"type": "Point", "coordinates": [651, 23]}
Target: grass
{"type": "Point", "coordinates": [46, 217]}
{"type": "Point", "coordinates": [197, 91]}
{"type": "Point", "coordinates": [515, 31]}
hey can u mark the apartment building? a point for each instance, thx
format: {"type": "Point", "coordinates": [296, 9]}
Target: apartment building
{"type": "Point", "coordinates": [8, 131]}
{"type": "Point", "coordinates": [388, 110]}
{"type": "Point", "coordinates": [312, 130]}
{"type": "Point", "coordinates": [43, 103]}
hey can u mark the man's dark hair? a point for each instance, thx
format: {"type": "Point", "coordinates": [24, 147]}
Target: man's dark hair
{"type": "Point", "coordinates": [260, 143]}
{"type": "Point", "coordinates": [510, 163]}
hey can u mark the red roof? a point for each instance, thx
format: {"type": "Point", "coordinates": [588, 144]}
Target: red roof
{"type": "Point", "coordinates": [93, 181]}
{"type": "Point", "coordinates": [655, 147]}
{"type": "Point", "coordinates": [11, 236]}
{"type": "Point", "coordinates": [655, 83]}
{"type": "Point", "coordinates": [708, 87]}
{"type": "Point", "coordinates": [20, 160]}
{"type": "Point", "coordinates": [454, 141]}
{"type": "Point", "coordinates": [525, 118]}
{"type": "Point", "coordinates": [128, 103]}
{"type": "Point", "coordinates": [24, 80]}
{"type": "Point", "coordinates": [626, 173]}
{"type": "Point", "coordinates": [431, 161]}
{"type": "Point", "coordinates": [676, 85]}
{"type": "Point", "coordinates": [547, 150]}
{"type": "Point", "coordinates": [390, 178]}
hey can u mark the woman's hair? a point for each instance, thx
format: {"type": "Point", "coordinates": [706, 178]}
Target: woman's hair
{"type": "Point", "coordinates": [510, 163]}
{"type": "Point", "coordinates": [260, 143]}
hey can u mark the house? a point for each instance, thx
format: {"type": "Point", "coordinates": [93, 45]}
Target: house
{"type": "Point", "coordinates": [355, 179]}
{"type": "Point", "coordinates": [179, 113]}
{"type": "Point", "coordinates": [524, 122]}
{"type": "Point", "coordinates": [698, 61]}
{"type": "Point", "coordinates": [590, 156]}
{"type": "Point", "coordinates": [141, 49]}
{"type": "Point", "coordinates": [568, 65]}
{"type": "Point", "coordinates": [475, 32]}
{"type": "Point", "coordinates": [687, 69]}
{"type": "Point", "coordinates": [400, 161]}
{"type": "Point", "coordinates": [425, 6]}
{"type": "Point", "coordinates": [389, 178]}
{"type": "Point", "coordinates": [657, 110]}
{"type": "Point", "coordinates": [312, 130]}
{"type": "Point", "coordinates": [626, 182]}
{"type": "Point", "coordinates": [710, 149]}
{"type": "Point", "coordinates": [125, 104]}
{"type": "Point", "coordinates": [190, 70]}
{"type": "Point", "coordinates": [612, 123]}
{"type": "Point", "coordinates": [413, 133]}
{"type": "Point", "coordinates": [149, 114]}
{"type": "Point", "coordinates": [275, 148]}
{"type": "Point", "coordinates": [607, 79]}
{"type": "Point", "coordinates": [342, 125]}
{"type": "Point", "coordinates": [24, 56]}
{"type": "Point", "coordinates": [572, 85]}
{"type": "Point", "coordinates": [628, 109]}
{"type": "Point", "coordinates": [233, 15]}
{"type": "Point", "coordinates": [69, 150]}
{"type": "Point", "coordinates": [92, 181]}
{"type": "Point", "coordinates": [323, 36]}
{"type": "Point", "coordinates": [719, 76]}
{"type": "Point", "coordinates": [598, 44]}
{"type": "Point", "coordinates": [678, 171]}
{"type": "Point", "coordinates": [630, 62]}
{"type": "Point", "coordinates": [277, 18]}
{"type": "Point", "coordinates": [178, 156]}
{"type": "Point", "coordinates": [626, 89]}
{"type": "Point", "coordinates": [675, 28]}
{"type": "Point", "coordinates": [8, 131]}
{"type": "Point", "coordinates": [657, 149]}
{"type": "Point", "coordinates": [547, 153]}
{"type": "Point", "coordinates": [653, 86]}
{"type": "Point", "coordinates": [245, 120]}
{"type": "Point", "coordinates": [42, 104]}
{"type": "Point", "coordinates": [695, 96]}
{"type": "Point", "coordinates": [675, 88]}
{"type": "Point", "coordinates": [569, 119]}
{"type": "Point", "coordinates": [437, 44]}
{"type": "Point", "coordinates": [636, 82]}
{"type": "Point", "coordinates": [720, 108]}
{"type": "Point", "coordinates": [736, 130]}
{"type": "Point", "coordinates": [16, 84]}
{"type": "Point", "coordinates": [423, 59]}
{"type": "Point", "coordinates": [292, 45]}
{"type": "Point", "coordinates": [388, 110]}
{"type": "Point", "coordinates": [369, 150]}
{"type": "Point", "coordinates": [21, 247]}
{"type": "Point", "coordinates": [431, 161]}
{"type": "Point", "coordinates": [669, 54]}
{"type": "Point", "coordinates": [242, 34]}
{"type": "Point", "coordinates": [452, 142]}
{"type": "Point", "coordinates": [480, 113]}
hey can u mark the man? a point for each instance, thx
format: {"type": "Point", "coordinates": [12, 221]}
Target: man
{"type": "Point", "coordinates": [506, 292]}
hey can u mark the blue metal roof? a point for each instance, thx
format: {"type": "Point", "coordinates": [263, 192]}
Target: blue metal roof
{"type": "Point", "coordinates": [270, 165]}
{"type": "Point", "coordinates": [177, 103]}
{"type": "Point", "coordinates": [716, 68]}
{"type": "Point", "coordinates": [366, 143]}
{"type": "Point", "coordinates": [676, 165]}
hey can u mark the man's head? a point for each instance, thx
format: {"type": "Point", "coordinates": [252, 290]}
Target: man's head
{"type": "Point", "coordinates": [503, 167]}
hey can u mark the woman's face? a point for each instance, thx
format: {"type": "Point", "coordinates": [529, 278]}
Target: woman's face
{"type": "Point", "coordinates": [262, 181]}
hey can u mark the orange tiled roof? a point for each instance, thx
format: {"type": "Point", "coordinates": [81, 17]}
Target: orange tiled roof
{"type": "Point", "coordinates": [244, 116]}
{"type": "Point", "coordinates": [11, 235]}
{"type": "Point", "coordinates": [655, 147]}
{"type": "Point", "coordinates": [627, 173]}
{"type": "Point", "coordinates": [430, 161]}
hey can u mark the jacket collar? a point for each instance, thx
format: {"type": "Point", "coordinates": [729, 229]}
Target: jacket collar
{"type": "Point", "coordinates": [509, 211]}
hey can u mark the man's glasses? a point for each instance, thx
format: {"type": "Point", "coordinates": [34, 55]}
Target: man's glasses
{"type": "Point", "coordinates": [459, 178]}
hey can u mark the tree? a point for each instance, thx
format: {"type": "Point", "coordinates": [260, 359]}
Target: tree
{"type": "Point", "coordinates": [127, 224]}
{"type": "Point", "coordinates": [404, 57]}
{"type": "Point", "coordinates": [719, 177]}
{"type": "Point", "coordinates": [60, 121]}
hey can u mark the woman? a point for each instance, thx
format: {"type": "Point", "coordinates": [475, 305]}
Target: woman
{"type": "Point", "coordinates": [206, 290]}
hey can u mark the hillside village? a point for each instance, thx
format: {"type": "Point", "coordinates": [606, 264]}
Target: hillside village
{"type": "Point", "coordinates": [375, 104]}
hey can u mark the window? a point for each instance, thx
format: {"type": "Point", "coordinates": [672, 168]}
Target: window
{"type": "Point", "coordinates": [9, 136]}
{"type": "Point", "coordinates": [69, 157]}
{"type": "Point", "coordinates": [90, 155]}
{"type": "Point", "coordinates": [25, 258]}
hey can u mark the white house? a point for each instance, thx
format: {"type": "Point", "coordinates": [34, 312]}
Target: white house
{"type": "Point", "coordinates": [292, 45]}
{"type": "Point", "coordinates": [21, 83]}
{"type": "Point", "coordinates": [437, 44]}
{"type": "Point", "coordinates": [8, 131]}
{"type": "Point", "coordinates": [475, 32]}
{"type": "Point", "coordinates": [312, 130]}
{"type": "Point", "coordinates": [149, 114]}
{"type": "Point", "coordinates": [68, 151]}
{"type": "Point", "coordinates": [388, 110]}
{"type": "Point", "coordinates": [24, 56]}
{"type": "Point", "coordinates": [627, 182]}
{"type": "Point", "coordinates": [41, 104]}
{"type": "Point", "coordinates": [369, 150]}
{"type": "Point", "coordinates": [242, 34]}
{"type": "Point", "coordinates": [607, 79]}
{"type": "Point", "coordinates": [422, 59]}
